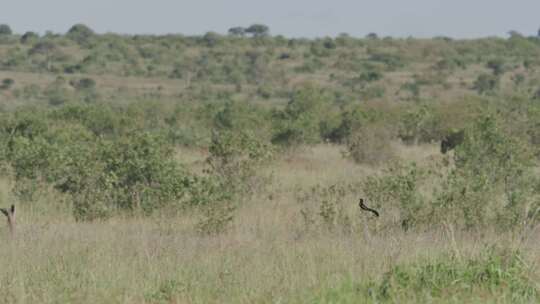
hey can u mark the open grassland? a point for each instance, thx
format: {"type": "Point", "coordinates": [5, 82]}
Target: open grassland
{"type": "Point", "coordinates": [267, 256]}
{"type": "Point", "coordinates": [228, 169]}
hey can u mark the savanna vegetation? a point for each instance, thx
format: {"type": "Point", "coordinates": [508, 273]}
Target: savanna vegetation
{"type": "Point", "coordinates": [228, 168]}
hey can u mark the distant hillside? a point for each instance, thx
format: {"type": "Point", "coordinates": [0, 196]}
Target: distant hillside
{"type": "Point", "coordinates": [266, 68]}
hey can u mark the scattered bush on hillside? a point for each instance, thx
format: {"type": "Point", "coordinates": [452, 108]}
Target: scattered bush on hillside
{"type": "Point", "coordinates": [305, 119]}
{"type": "Point", "coordinates": [486, 84]}
{"type": "Point", "coordinates": [7, 83]}
{"type": "Point", "coordinates": [418, 125]}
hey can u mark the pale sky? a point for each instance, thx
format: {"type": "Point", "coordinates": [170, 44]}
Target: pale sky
{"type": "Point", "coordinates": [291, 18]}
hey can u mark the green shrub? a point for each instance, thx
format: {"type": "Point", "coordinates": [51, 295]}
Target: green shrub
{"type": "Point", "coordinates": [491, 181]}
{"type": "Point", "coordinates": [398, 189]}
{"type": "Point", "coordinates": [497, 66]}
{"type": "Point", "coordinates": [81, 34]}
{"type": "Point", "coordinates": [494, 276]}
{"type": "Point", "coordinates": [83, 84]}
{"type": "Point", "coordinates": [29, 37]}
{"type": "Point", "coordinates": [145, 175]}
{"type": "Point", "coordinates": [5, 30]}
{"type": "Point", "coordinates": [134, 172]}
{"type": "Point", "coordinates": [301, 120]}
{"type": "Point", "coordinates": [237, 159]}
{"type": "Point", "coordinates": [419, 125]}
{"type": "Point", "coordinates": [7, 83]}
{"type": "Point", "coordinates": [486, 84]}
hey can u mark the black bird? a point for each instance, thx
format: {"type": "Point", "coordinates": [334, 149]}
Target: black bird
{"type": "Point", "coordinates": [6, 212]}
{"type": "Point", "coordinates": [364, 207]}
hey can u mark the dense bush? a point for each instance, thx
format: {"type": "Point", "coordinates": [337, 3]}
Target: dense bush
{"type": "Point", "coordinates": [308, 118]}
{"type": "Point", "coordinates": [371, 145]}
{"type": "Point", "coordinates": [7, 83]}
{"type": "Point", "coordinates": [134, 172]}
{"type": "Point", "coordinates": [419, 125]}
{"type": "Point", "coordinates": [398, 190]}
{"type": "Point", "coordinates": [491, 182]}
{"type": "Point", "coordinates": [80, 33]}
{"type": "Point", "coordinates": [5, 30]}
{"type": "Point", "coordinates": [237, 158]}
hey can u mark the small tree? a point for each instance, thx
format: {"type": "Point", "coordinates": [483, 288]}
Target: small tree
{"type": "Point", "coordinates": [7, 83]}
{"type": "Point", "coordinates": [372, 36]}
{"type": "Point", "coordinates": [211, 39]}
{"type": "Point", "coordinates": [80, 33]}
{"type": "Point", "coordinates": [47, 49]}
{"type": "Point", "coordinates": [237, 31]}
{"type": "Point", "coordinates": [258, 30]}
{"type": "Point", "coordinates": [5, 30]}
{"type": "Point", "coordinates": [83, 84]}
{"type": "Point", "coordinates": [301, 121]}
{"type": "Point", "coordinates": [497, 66]}
{"type": "Point", "coordinates": [29, 37]}
{"type": "Point", "coordinates": [486, 83]}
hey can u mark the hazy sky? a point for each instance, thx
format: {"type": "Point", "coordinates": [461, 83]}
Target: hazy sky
{"type": "Point", "coordinates": [292, 18]}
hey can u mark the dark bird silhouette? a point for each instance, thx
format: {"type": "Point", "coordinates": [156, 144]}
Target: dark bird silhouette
{"type": "Point", "coordinates": [6, 212]}
{"type": "Point", "coordinates": [364, 207]}
{"type": "Point", "coordinates": [10, 215]}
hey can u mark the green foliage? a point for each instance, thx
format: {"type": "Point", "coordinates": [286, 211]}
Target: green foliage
{"type": "Point", "coordinates": [398, 188]}
{"type": "Point", "coordinates": [135, 172]}
{"type": "Point", "coordinates": [57, 92]}
{"type": "Point", "coordinates": [486, 84]}
{"type": "Point", "coordinates": [83, 84]}
{"type": "Point", "coordinates": [413, 88]}
{"type": "Point", "coordinates": [216, 218]}
{"type": "Point", "coordinates": [305, 119]}
{"type": "Point", "coordinates": [371, 76]}
{"type": "Point", "coordinates": [258, 30]}
{"type": "Point", "coordinates": [165, 293]}
{"type": "Point", "coordinates": [418, 125]}
{"type": "Point", "coordinates": [496, 275]}
{"type": "Point", "coordinates": [237, 31]}
{"type": "Point", "coordinates": [211, 39]}
{"type": "Point", "coordinates": [5, 30]}
{"type": "Point", "coordinates": [238, 116]}
{"type": "Point", "coordinates": [29, 37]}
{"type": "Point", "coordinates": [237, 159]}
{"type": "Point", "coordinates": [491, 181]}
{"type": "Point", "coordinates": [391, 61]}
{"type": "Point", "coordinates": [81, 34]}
{"type": "Point", "coordinates": [497, 66]}
{"type": "Point", "coordinates": [351, 120]}
{"type": "Point", "coordinates": [236, 162]}
{"type": "Point", "coordinates": [7, 83]}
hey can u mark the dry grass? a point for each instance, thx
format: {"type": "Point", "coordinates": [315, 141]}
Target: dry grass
{"type": "Point", "coordinates": [266, 257]}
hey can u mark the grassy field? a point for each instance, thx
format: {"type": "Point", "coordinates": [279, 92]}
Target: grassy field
{"type": "Point", "coordinates": [228, 169]}
{"type": "Point", "coordinates": [267, 256]}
